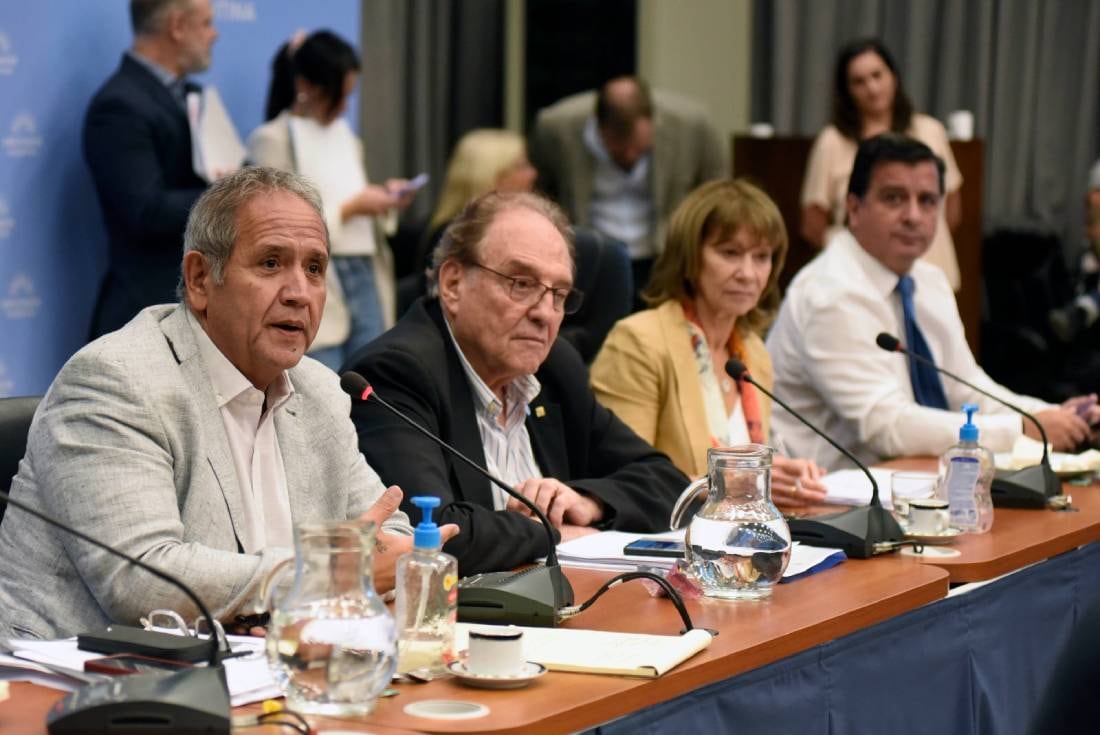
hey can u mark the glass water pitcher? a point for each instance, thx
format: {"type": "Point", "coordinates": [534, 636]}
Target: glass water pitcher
{"type": "Point", "coordinates": [737, 544]}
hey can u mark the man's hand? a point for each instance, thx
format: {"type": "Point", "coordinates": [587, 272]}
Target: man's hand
{"type": "Point", "coordinates": [389, 546]}
{"type": "Point", "coordinates": [796, 482]}
{"type": "Point", "coordinates": [1065, 429]}
{"type": "Point", "coordinates": [561, 503]}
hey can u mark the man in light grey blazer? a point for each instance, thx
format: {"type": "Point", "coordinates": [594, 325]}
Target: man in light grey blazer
{"type": "Point", "coordinates": [195, 437]}
{"type": "Point", "coordinates": [621, 159]}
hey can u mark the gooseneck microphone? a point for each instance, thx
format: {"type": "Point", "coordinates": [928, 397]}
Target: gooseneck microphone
{"type": "Point", "coordinates": [529, 597]}
{"type": "Point", "coordinates": [860, 532]}
{"type": "Point", "coordinates": [191, 700]}
{"type": "Point", "coordinates": [1031, 487]}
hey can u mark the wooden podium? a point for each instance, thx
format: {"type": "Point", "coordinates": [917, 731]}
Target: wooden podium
{"type": "Point", "coordinates": [778, 164]}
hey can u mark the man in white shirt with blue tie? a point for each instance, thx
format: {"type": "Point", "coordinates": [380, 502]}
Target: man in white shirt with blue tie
{"type": "Point", "coordinates": [869, 280]}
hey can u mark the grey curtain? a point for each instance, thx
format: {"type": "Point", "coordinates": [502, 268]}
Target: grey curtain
{"type": "Point", "coordinates": [1028, 70]}
{"type": "Point", "coordinates": [432, 70]}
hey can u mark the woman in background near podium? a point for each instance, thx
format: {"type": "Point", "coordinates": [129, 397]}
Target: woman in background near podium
{"type": "Point", "coordinates": [868, 99]}
{"type": "Point", "coordinates": [312, 78]}
{"type": "Point", "coordinates": [483, 160]}
{"type": "Point", "coordinates": [713, 291]}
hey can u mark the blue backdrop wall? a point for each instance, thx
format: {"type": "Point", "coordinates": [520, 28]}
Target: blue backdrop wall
{"type": "Point", "coordinates": [54, 54]}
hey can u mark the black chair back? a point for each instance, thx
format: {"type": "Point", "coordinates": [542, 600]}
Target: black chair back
{"type": "Point", "coordinates": [15, 424]}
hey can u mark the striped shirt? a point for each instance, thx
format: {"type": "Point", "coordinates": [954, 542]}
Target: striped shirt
{"type": "Point", "coordinates": [507, 445]}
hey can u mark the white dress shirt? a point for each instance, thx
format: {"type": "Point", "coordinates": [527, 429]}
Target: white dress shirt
{"type": "Point", "coordinates": [622, 204]}
{"type": "Point", "coordinates": [828, 367]}
{"type": "Point", "coordinates": [257, 459]}
{"type": "Point", "coordinates": [508, 452]}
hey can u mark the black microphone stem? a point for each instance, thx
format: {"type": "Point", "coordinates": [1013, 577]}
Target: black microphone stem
{"type": "Point", "coordinates": [214, 643]}
{"type": "Point", "coordinates": [920, 358]}
{"type": "Point", "coordinates": [874, 485]}
{"type": "Point", "coordinates": [551, 553]}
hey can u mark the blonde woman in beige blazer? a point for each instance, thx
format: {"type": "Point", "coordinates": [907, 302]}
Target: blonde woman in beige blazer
{"type": "Point", "coordinates": [713, 291]}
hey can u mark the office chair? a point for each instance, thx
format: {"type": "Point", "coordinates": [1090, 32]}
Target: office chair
{"type": "Point", "coordinates": [604, 274]}
{"type": "Point", "coordinates": [15, 424]}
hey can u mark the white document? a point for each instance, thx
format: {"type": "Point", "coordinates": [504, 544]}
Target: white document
{"type": "Point", "coordinates": [1027, 452]}
{"type": "Point", "coordinates": [216, 148]}
{"type": "Point", "coordinates": [851, 487]}
{"type": "Point", "coordinates": [248, 677]}
{"type": "Point", "coordinates": [601, 652]}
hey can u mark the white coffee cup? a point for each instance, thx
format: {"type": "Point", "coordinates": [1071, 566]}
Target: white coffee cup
{"type": "Point", "coordinates": [960, 125]}
{"type": "Point", "coordinates": [928, 516]}
{"type": "Point", "coordinates": [495, 651]}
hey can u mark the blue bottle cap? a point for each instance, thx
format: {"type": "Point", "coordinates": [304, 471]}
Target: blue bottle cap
{"type": "Point", "coordinates": [969, 432]}
{"type": "Point", "coordinates": [426, 535]}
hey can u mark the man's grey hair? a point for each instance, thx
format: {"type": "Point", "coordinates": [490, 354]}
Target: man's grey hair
{"type": "Point", "coordinates": [147, 16]}
{"type": "Point", "coordinates": [461, 241]}
{"type": "Point", "coordinates": [212, 225]}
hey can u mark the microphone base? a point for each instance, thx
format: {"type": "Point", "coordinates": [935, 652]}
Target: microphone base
{"type": "Point", "coordinates": [858, 532]}
{"type": "Point", "coordinates": [1031, 487]}
{"type": "Point", "coordinates": [189, 701]}
{"type": "Point", "coordinates": [530, 597]}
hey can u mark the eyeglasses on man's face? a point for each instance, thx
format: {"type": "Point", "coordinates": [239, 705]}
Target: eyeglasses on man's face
{"type": "Point", "coordinates": [529, 291]}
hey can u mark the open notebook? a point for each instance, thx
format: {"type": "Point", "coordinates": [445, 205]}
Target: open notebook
{"type": "Point", "coordinates": [601, 652]}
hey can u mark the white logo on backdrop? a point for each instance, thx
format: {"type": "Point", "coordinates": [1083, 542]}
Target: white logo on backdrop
{"type": "Point", "coordinates": [8, 59]}
{"type": "Point", "coordinates": [7, 222]}
{"type": "Point", "coordinates": [23, 140]}
{"type": "Point", "coordinates": [7, 385]}
{"type": "Point", "coordinates": [239, 11]}
{"type": "Point", "coordinates": [21, 301]}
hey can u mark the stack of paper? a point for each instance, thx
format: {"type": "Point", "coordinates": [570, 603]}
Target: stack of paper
{"type": "Point", "coordinates": [604, 551]}
{"type": "Point", "coordinates": [1028, 452]}
{"type": "Point", "coordinates": [601, 652]}
{"type": "Point", "coordinates": [851, 487]}
{"type": "Point", "coordinates": [60, 664]}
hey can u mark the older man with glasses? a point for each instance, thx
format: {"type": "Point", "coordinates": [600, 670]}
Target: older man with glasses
{"type": "Point", "coordinates": [479, 365]}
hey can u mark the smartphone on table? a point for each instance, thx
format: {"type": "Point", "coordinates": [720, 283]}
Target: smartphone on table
{"type": "Point", "coordinates": [654, 547]}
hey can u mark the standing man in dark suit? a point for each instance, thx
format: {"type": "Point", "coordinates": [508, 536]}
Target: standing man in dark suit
{"type": "Point", "coordinates": [137, 142]}
{"type": "Point", "coordinates": [480, 366]}
{"type": "Point", "coordinates": [620, 159]}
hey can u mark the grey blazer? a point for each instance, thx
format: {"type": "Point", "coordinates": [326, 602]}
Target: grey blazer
{"type": "Point", "coordinates": [128, 445]}
{"type": "Point", "coordinates": [687, 151]}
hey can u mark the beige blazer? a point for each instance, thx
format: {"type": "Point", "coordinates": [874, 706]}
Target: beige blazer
{"type": "Point", "coordinates": [687, 151]}
{"type": "Point", "coordinates": [647, 375]}
{"type": "Point", "coordinates": [128, 445]}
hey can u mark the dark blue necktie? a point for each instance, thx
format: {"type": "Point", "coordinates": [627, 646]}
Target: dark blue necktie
{"type": "Point", "coordinates": [927, 387]}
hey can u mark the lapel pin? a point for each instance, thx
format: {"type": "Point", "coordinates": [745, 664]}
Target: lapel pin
{"type": "Point", "coordinates": [540, 411]}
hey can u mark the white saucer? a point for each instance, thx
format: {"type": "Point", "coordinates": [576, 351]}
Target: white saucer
{"type": "Point", "coordinates": [522, 678]}
{"type": "Point", "coordinates": [943, 537]}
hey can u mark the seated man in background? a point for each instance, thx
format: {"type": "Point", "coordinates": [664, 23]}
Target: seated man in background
{"type": "Point", "coordinates": [869, 280]}
{"type": "Point", "coordinates": [479, 366]}
{"type": "Point", "coordinates": [1073, 319]}
{"type": "Point", "coordinates": [620, 159]}
{"type": "Point", "coordinates": [196, 436]}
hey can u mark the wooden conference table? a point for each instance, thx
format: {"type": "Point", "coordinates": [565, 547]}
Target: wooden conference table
{"type": "Point", "coordinates": [801, 615]}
